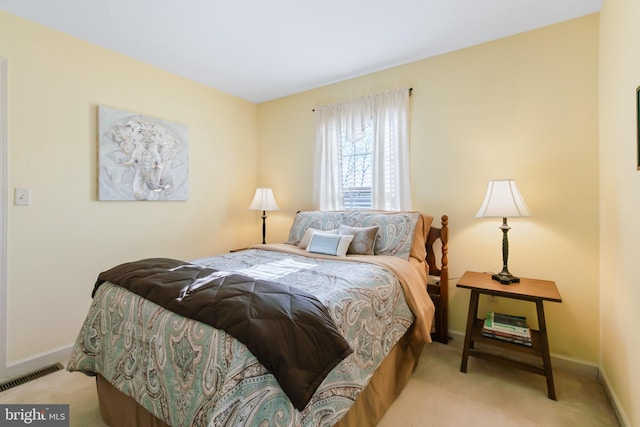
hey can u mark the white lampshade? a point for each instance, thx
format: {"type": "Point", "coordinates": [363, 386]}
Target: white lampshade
{"type": "Point", "coordinates": [503, 200]}
{"type": "Point", "coordinates": [264, 200]}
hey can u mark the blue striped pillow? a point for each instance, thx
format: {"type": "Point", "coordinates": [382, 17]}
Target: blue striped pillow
{"type": "Point", "coordinates": [329, 244]}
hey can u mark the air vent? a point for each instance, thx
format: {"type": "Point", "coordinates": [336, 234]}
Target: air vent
{"type": "Point", "coordinates": [32, 376]}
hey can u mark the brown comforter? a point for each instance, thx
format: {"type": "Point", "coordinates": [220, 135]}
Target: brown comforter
{"type": "Point", "coordinates": [289, 331]}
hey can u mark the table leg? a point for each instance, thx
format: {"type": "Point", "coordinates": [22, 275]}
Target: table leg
{"type": "Point", "coordinates": [546, 357]}
{"type": "Point", "coordinates": [471, 317]}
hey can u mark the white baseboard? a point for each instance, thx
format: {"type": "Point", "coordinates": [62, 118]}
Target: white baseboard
{"type": "Point", "coordinates": [35, 363]}
{"type": "Point", "coordinates": [613, 398]}
{"type": "Point", "coordinates": [557, 362]}
{"type": "Point", "coordinates": [574, 365]}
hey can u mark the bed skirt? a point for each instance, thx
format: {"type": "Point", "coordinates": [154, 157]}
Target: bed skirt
{"type": "Point", "coordinates": [120, 410]}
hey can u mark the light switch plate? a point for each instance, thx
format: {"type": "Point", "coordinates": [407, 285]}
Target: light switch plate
{"type": "Point", "coordinates": [22, 197]}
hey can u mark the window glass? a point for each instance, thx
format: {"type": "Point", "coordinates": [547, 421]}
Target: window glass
{"type": "Point", "coordinates": [357, 172]}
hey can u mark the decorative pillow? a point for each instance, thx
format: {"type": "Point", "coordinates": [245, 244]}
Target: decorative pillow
{"type": "Point", "coordinates": [329, 244]}
{"type": "Point", "coordinates": [321, 220]}
{"type": "Point", "coordinates": [364, 239]}
{"type": "Point", "coordinates": [309, 232]}
{"type": "Point", "coordinates": [395, 236]}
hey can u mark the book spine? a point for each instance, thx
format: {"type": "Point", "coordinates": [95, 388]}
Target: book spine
{"type": "Point", "coordinates": [504, 326]}
{"type": "Point", "coordinates": [511, 340]}
{"type": "Point", "coordinates": [521, 333]}
{"type": "Point", "coordinates": [507, 335]}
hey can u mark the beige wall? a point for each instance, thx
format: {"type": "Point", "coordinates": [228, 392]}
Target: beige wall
{"type": "Point", "coordinates": [523, 107]}
{"type": "Point", "coordinates": [57, 245]}
{"type": "Point", "coordinates": [620, 204]}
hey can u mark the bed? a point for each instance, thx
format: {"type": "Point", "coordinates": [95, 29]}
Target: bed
{"type": "Point", "coordinates": [156, 367]}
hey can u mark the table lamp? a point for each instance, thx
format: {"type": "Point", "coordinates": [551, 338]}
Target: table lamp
{"type": "Point", "coordinates": [264, 201]}
{"type": "Point", "coordinates": [503, 200]}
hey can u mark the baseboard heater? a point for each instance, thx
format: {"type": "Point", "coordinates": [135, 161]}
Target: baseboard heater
{"type": "Point", "coordinates": [32, 376]}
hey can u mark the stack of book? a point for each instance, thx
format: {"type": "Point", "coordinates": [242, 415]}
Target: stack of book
{"type": "Point", "coordinates": [507, 328]}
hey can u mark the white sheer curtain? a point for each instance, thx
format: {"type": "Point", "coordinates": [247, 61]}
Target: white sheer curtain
{"type": "Point", "coordinates": [388, 115]}
{"type": "Point", "coordinates": [327, 191]}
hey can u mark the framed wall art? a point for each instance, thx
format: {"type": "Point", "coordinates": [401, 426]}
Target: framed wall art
{"type": "Point", "coordinates": [141, 157]}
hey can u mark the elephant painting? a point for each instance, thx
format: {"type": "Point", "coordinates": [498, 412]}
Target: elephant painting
{"type": "Point", "coordinates": [141, 158]}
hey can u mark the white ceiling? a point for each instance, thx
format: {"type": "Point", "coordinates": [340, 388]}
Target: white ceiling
{"type": "Point", "coordinates": [260, 50]}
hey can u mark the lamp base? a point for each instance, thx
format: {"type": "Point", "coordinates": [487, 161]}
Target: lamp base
{"type": "Point", "coordinates": [505, 278]}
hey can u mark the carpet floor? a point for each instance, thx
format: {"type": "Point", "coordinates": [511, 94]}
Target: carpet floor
{"type": "Point", "coordinates": [437, 395]}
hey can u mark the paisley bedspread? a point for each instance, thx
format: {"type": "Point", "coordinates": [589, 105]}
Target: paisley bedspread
{"type": "Point", "coordinates": [190, 374]}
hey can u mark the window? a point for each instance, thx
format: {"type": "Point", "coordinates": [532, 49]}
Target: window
{"type": "Point", "coordinates": [362, 153]}
{"type": "Point", "coordinates": [357, 171]}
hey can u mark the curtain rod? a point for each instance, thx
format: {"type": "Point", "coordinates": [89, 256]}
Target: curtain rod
{"type": "Point", "coordinates": [410, 92]}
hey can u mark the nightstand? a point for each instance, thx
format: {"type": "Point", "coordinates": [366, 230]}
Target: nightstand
{"type": "Point", "coordinates": [532, 290]}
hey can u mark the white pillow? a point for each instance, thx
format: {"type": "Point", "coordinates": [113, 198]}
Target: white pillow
{"type": "Point", "coordinates": [309, 232]}
{"type": "Point", "coordinates": [329, 244]}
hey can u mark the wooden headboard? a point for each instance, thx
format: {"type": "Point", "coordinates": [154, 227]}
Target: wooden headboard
{"type": "Point", "coordinates": [438, 284]}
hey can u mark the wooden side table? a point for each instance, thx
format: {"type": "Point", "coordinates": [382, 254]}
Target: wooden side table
{"type": "Point", "coordinates": [532, 290]}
